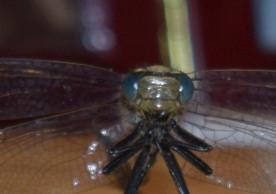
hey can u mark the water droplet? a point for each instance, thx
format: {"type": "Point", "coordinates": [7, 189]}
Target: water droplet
{"type": "Point", "coordinates": [93, 177]}
{"type": "Point", "coordinates": [92, 148]}
{"type": "Point", "coordinates": [75, 182]}
{"type": "Point", "coordinates": [229, 184]}
{"type": "Point", "coordinates": [219, 180]}
{"type": "Point", "coordinates": [100, 171]}
{"type": "Point", "coordinates": [104, 132]}
{"type": "Point", "coordinates": [92, 168]}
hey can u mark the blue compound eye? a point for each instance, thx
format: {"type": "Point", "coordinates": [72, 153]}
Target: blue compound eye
{"type": "Point", "coordinates": [130, 86]}
{"type": "Point", "coordinates": [186, 88]}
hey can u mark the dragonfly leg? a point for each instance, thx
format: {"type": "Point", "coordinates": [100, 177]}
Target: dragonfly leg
{"type": "Point", "coordinates": [173, 167]}
{"type": "Point", "coordinates": [189, 138]}
{"type": "Point", "coordinates": [141, 167]}
{"type": "Point", "coordinates": [125, 149]}
{"type": "Point", "coordinates": [192, 158]}
{"type": "Point", "coordinates": [174, 142]}
{"type": "Point", "coordinates": [119, 160]}
{"type": "Point", "coordinates": [137, 145]}
{"type": "Point", "coordinates": [130, 138]}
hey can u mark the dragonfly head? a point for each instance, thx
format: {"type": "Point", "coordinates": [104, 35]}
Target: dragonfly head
{"type": "Point", "coordinates": [157, 89]}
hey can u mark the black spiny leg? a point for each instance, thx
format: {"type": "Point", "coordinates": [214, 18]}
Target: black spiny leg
{"type": "Point", "coordinates": [190, 138]}
{"type": "Point", "coordinates": [128, 140]}
{"type": "Point", "coordinates": [119, 160]}
{"type": "Point", "coordinates": [193, 159]}
{"type": "Point", "coordinates": [183, 148]}
{"type": "Point", "coordinates": [173, 167]}
{"type": "Point", "coordinates": [140, 169]}
{"type": "Point", "coordinates": [125, 149]}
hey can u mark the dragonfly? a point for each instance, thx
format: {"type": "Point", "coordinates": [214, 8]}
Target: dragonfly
{"type": "Point", "coordinates": [77, 128]}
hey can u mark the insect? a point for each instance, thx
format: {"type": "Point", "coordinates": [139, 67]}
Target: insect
{"type": "Point", "coordinates": [222, 122]}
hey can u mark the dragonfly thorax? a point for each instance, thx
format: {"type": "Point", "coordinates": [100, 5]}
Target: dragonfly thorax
{"type": "Point", "coordinates": [157, 89]}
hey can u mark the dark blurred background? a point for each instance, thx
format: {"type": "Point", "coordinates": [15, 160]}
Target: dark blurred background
{"type": "Point", "coordinates": [126, 34]}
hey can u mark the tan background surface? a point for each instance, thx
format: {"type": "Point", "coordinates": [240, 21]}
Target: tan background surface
{"type": "Point", "coordinates": [32, 166]}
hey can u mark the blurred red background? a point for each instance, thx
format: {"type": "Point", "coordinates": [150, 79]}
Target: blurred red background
{"type": "Point", "coordinates": [127, 33]}
{"type": "Point", "coordinates": [227, 36]}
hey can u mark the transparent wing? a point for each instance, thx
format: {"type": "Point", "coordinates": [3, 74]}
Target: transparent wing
{"type": "Point", "coordinates": [233, 110]}
{"type": "Point", "coordinates": [31, 88]}
{"type": "Point", "coordinates": [59, 154]}
{"type": "Point", "coordinates": [247, 91]}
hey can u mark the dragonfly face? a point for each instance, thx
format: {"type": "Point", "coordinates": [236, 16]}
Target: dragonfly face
{"type": "Point", "coordinates": [157, 89]}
